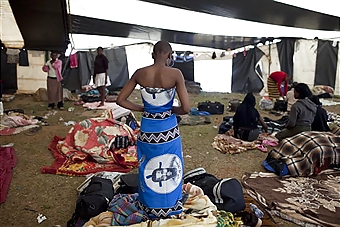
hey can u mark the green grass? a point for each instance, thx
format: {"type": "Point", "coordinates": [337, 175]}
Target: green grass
{"type": "Point", "coordinates": [55, 196]}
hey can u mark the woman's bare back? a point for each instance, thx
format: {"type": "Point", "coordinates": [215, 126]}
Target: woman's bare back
{"type": "Point", "coordinates": [158, 77]}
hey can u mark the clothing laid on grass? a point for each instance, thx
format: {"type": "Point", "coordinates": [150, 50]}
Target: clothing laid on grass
{"type": "Point", "coordinates": [301, 118]}
{"type": "Point", "coordinates": [159, 149]}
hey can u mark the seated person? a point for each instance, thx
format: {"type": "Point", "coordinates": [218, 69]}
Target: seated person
{"type": "Point", "coordinates": [321, 118]}
{"type": "Point", "coordinates": [290, 97]}
{"type": "Point", "coordinates": [301, 115]}
{"type": "Point", "coordinates": [246, 119]}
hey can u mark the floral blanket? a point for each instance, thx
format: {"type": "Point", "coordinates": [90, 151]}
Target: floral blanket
{"type": "Point", "coordinates": [306, 201]}
{"type": "Point", "coordinates": [94, 137]}
{"type": "Point", "coordinates": [93, 145]}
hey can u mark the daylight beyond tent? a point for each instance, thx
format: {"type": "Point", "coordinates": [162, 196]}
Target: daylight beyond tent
{"type": "Point", "coordinates": [179, 26]}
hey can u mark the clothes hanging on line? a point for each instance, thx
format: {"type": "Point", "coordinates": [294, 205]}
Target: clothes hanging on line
{"type": "Point", "coordinates": [74, 61]}
{"type": "Point", "coordinates": [23, 58]}
{"type": "Point", "coordinates": [12, 56]}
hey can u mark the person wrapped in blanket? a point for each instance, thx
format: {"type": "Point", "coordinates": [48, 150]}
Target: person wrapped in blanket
{"type": "Point", "coordinates": [246, 119]}
{"type": "Point", "coordinates": [301, 115]}
{"type": "Point", "coordinates": [321, 118]}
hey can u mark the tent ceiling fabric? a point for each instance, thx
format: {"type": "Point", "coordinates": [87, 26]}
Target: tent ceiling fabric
{"type": "Point", "coordinates": [263, 11]}
{"type": "Point", "coordinates": [42, 23]}
{"type": "Point", "coordinates": [10, 34]}
{"type": "Point", "coordinates": [92, 26]}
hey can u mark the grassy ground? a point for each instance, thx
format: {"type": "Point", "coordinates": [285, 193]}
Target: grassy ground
{"type": "Point", "coordinates": [32, 193]}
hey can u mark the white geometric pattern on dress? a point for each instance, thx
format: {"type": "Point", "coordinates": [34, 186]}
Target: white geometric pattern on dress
{"type": "Point", "coordinates": [159, 137]}
{"type": "Point", "coordinates": [158, 115]}
{"type": "Point", "coordinates": [162, 213]}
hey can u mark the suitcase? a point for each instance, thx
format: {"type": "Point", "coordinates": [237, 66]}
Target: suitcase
{"type": "Point", "coordinates": [211, 107]}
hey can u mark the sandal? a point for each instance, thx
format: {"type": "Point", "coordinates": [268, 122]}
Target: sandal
{"type": "Point", "coordinates": [269, 143]}
{"type": "Point", "coordinates": [262, 148]}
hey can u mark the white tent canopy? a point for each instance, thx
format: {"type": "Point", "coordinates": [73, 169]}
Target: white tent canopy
{"type": "Point", "coordinates": [164, 17]}
{"type": "Point", "coordinates": [9, 32]}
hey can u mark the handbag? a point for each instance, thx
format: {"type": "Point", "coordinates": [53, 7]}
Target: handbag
{"type": "Point", "coordinates": [211, 107]}
{"type": "Point", "coordinates": [281, 105]}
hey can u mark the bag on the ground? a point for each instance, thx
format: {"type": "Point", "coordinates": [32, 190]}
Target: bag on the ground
{"type": "Point", "coordinates": [128, 184]}
{"type": "Point", "coordinates": [211, 107]}
{"type": "Point", "coordinates": [93, 200]}
{"type": "Point", "coordinates": [277, 166]}
{"type": "Point", "coordinates": [226, 194]}
{"type": "Point", "coordinates": [281, 105]}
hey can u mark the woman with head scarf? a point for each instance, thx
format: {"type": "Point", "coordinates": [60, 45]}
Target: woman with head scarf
{"type": "Point", "coordinates": [321, 118]}
{"type": "Point", "coordinates": [301, 115]}
{"type": "Point", "coordinates": [246, 120]}
{"type": "Point", "coordinates": [54, 78]}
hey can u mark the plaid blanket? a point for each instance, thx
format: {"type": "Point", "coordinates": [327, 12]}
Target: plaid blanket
{"type": "Point", "coordinates": [125, 210]}
{"type": "Point", "coordinates": [307, 150]}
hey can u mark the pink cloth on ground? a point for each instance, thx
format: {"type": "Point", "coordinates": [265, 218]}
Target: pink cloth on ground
{"type": "Point", "coordinates": [8, 161]}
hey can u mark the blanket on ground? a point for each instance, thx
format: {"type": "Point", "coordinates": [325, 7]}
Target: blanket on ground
{"type": "Point", "coordinates": [15, 123]}
{"type": "Point", "coordinates": [307, 150]}
{"type": "Point", "coordinates": [93, 145]}
{"type": "Point", "coordinates": [202, 213]}
{"type": "Point", "coordinates": [306, 201]}
{"type": "Point", "coordinates": [225, 143]}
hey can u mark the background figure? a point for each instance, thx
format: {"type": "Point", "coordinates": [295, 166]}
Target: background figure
{"type": "Point", "coordinates": [159, 144]}
{"type": "Point", "coordinates": [301, 115]}
{"type": "Point", "coordinates": [101, 65]}
{"type": "Point", "coordinates": [246, 119]}
{"type": "Point", "coordinates": [321, 118]}
{"type": "Point", "coordinates": [274, 82]}
{"type": "Point", "coordinates": [54, 78]}
{"type": "Point", "coordinates": [290, 97]}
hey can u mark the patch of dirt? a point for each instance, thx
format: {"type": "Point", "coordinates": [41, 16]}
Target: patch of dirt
{"type": "Point", "coordinates": [32, 193]}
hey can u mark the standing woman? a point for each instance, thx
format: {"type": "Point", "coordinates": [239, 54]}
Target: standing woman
{"type": "Point", "coordinates": [274, 82]}
{"type": "Point", "coordinates": [54, 78]}
{"type": "Point", "coordinates": [159, 144]}
{"type": "Point", "coordinates": [101, 65]}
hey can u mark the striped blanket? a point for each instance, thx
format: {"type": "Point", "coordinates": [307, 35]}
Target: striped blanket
{"type": "Point", "coordinates": [273, 92]}
{"type": "Point", "coordinates": [307, 150]}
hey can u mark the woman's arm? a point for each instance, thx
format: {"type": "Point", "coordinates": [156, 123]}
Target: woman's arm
{"type": "Point", "coordinates": [126, 92]}
{"type": "Point", "coordinates": [292, 117]}
{"type": "Point", "coordinates": [182, 95]}
{"type": "Point", "coordinates": [264, 125]}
